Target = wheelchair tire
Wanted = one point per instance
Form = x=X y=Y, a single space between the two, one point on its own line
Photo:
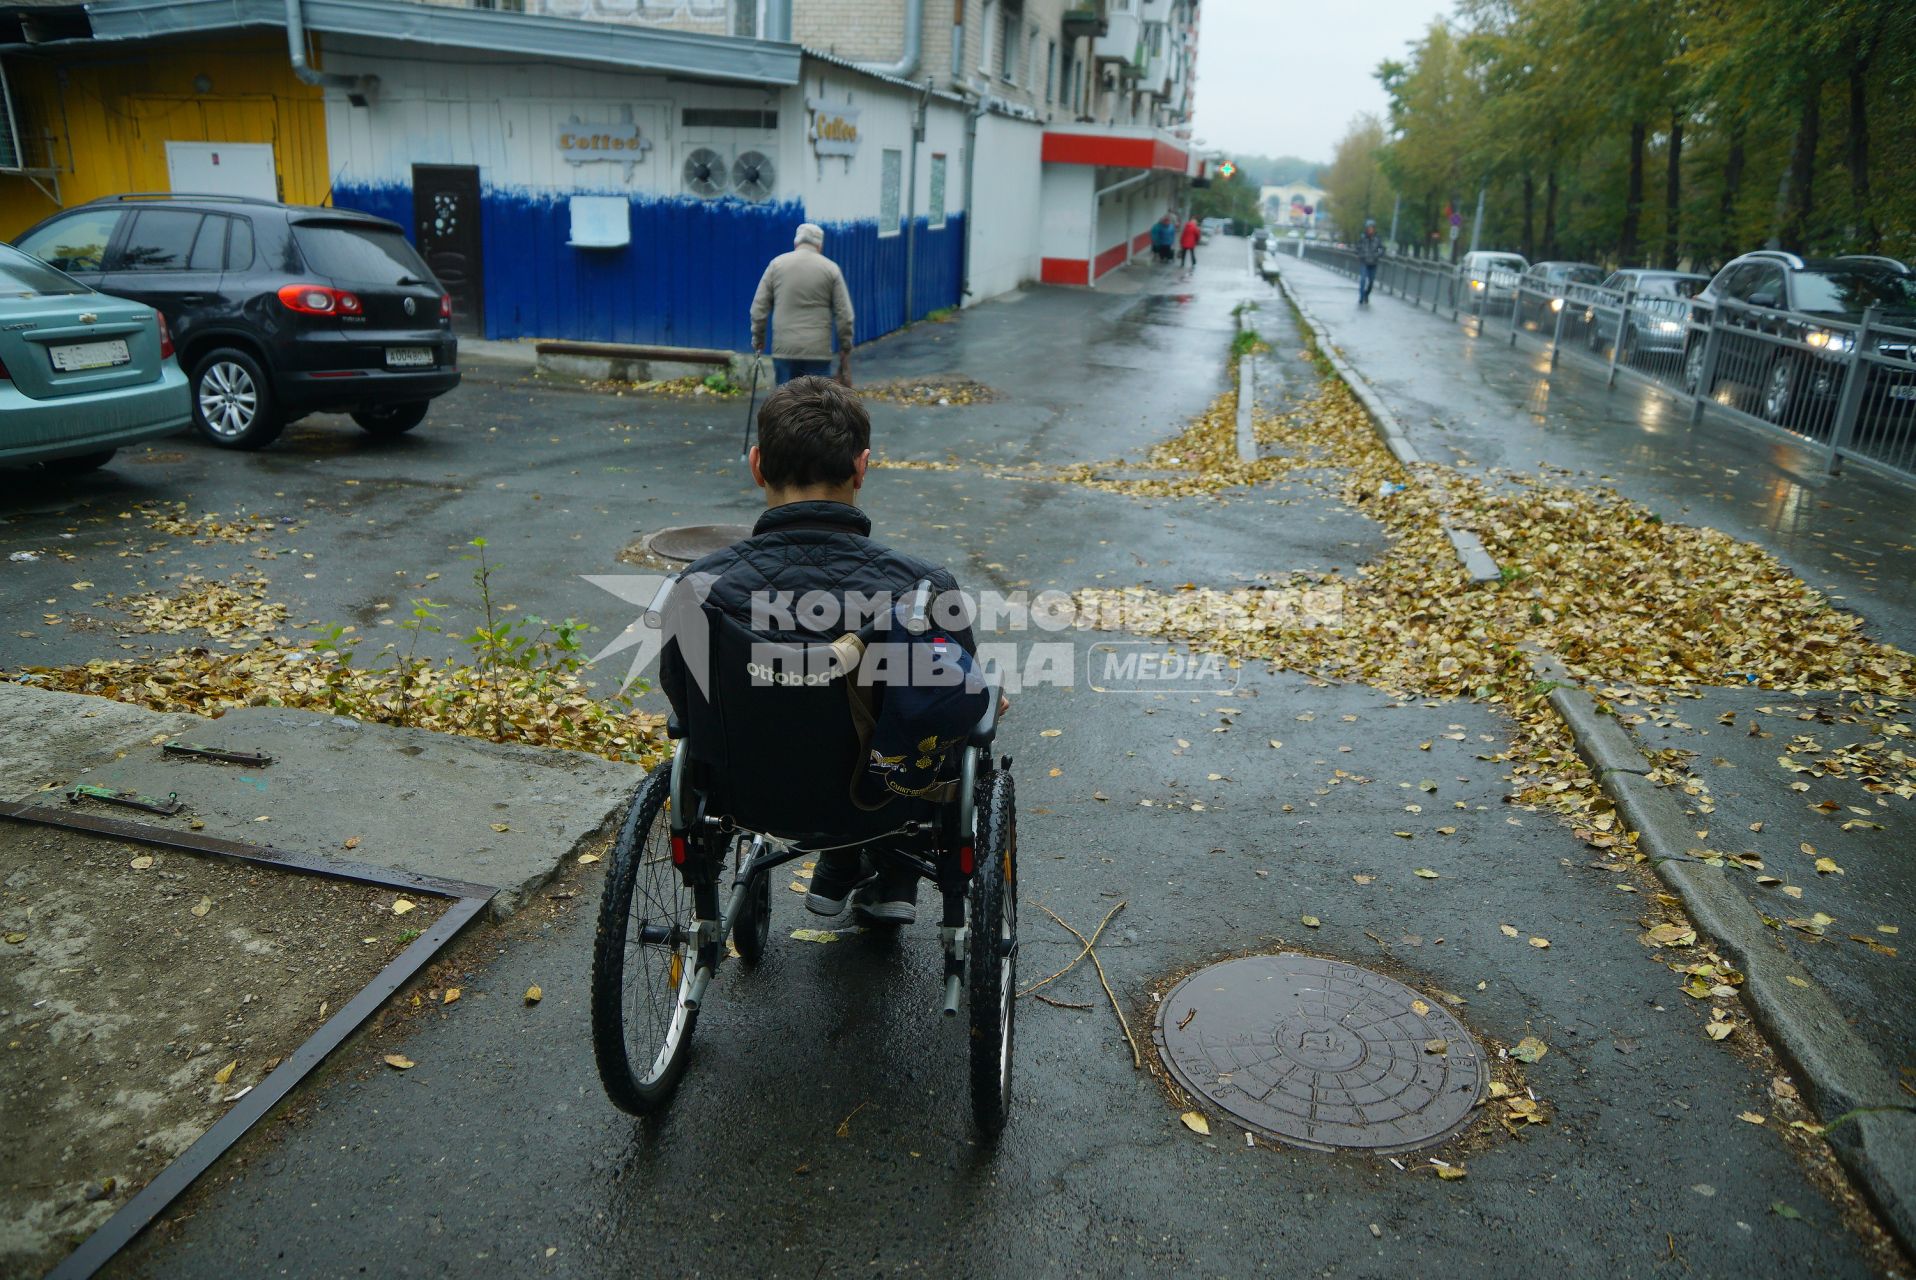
x=754 y=923
x=643 y=960
x=992 y=965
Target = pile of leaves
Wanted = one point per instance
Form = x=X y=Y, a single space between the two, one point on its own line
x=1617 y=595
x=546 y=708
x=235 y=612
x=939 y=390
x=1202 y=459
x=685 y=388
x=209 y=526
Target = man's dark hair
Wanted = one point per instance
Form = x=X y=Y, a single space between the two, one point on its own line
x=809 y=432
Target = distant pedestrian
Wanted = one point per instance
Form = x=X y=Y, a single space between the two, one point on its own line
x=1370 y=252
x=1164 y=234
x=1188 y=242
x=803 y=293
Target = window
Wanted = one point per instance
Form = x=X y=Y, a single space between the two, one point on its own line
x=728 y=118
x=209 y=251
x=936 y=209
x=1067 y=78
x=239 y=246
x=1051 y=71
x=358 y=254
x=986 y=31
x=24 y=277
x=78 y=243
x=891 y=174
x=161 y=240
x=1010 y=28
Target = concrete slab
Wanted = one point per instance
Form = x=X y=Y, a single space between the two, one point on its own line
x=420 y=801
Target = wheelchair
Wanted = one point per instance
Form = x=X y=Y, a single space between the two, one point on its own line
x=691 y=868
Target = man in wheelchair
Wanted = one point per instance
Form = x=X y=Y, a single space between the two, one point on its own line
x=826 y=705
x=811 y=603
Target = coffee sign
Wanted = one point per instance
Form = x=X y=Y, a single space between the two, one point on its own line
x=580 y=143
x=834 y=128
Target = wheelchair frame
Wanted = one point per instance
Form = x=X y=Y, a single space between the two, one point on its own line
x=967 y=847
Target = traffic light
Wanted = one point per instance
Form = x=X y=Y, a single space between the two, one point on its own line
x=1226 y=169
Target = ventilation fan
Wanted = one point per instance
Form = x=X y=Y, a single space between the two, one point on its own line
x=753 y=176
x=705 y=173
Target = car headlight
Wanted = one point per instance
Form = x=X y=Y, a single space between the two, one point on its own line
x=1824 y=340
x=1556 y=304
x=1668 y=326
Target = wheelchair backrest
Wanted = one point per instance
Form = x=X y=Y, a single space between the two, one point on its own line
x=772 y=738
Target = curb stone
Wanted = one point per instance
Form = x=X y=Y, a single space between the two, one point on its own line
x=1476 y=561
x=1876 y=1140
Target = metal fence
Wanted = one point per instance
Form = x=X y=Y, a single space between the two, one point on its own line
x=1846 y=390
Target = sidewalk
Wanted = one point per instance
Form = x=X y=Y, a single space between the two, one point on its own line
x=1481 y=404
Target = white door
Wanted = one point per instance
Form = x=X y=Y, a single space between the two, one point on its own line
x=222 y=169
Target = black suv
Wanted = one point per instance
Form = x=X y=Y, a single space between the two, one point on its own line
x=277 y=310
x=1813 y=304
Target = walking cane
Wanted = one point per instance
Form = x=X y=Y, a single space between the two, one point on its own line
x=751 y=410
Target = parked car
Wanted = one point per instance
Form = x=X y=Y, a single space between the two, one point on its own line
x=81 y=374
x=1492 y=277
x=1547 y=282
x=1809 y=303
x=1659 y=305
x=278 y=310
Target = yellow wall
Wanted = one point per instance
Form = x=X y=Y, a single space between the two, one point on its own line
x=122 y=103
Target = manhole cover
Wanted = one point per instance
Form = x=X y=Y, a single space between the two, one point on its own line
x=691 y=541
x=1321 y=1054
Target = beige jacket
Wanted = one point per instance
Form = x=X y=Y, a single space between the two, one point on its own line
x=804 y=294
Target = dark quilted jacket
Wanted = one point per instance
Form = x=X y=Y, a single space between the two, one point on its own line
x=796 y=548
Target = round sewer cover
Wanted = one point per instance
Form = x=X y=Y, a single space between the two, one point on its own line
x=1321 y=1054
x=691 y=541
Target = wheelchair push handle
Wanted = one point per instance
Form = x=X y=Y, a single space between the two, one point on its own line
x=654 y=613
x=920 y=602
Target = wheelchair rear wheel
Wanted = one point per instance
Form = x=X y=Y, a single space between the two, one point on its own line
x=643 y=960
x=992 y=966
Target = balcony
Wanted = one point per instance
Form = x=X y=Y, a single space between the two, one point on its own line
x=1086 y=20
x=1122 y=42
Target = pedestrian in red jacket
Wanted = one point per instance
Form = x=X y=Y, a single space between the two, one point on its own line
x=1188 y=242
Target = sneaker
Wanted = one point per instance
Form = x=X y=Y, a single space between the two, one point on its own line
x=887 y=899
x=832 y=884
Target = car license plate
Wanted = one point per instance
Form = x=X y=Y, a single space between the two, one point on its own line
x=89 y=355
x=409 y=357
x=1907 y=392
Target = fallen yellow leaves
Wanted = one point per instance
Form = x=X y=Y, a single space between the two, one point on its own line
x=399 y=1062
x=1529 y=1049
x=1196 y=1123
x=225 y=1073
x=534 y=995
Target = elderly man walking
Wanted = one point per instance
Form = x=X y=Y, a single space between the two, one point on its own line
x=803 y=293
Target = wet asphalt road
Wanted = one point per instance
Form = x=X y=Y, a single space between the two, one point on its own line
x=497 y=1153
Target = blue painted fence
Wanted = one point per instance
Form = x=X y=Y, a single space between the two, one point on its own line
x=688 y=276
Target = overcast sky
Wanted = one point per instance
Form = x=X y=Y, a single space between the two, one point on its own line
x=1284 y=77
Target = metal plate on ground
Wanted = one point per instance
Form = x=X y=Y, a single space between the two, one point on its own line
x=691 y=541
x=1321 y=1054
